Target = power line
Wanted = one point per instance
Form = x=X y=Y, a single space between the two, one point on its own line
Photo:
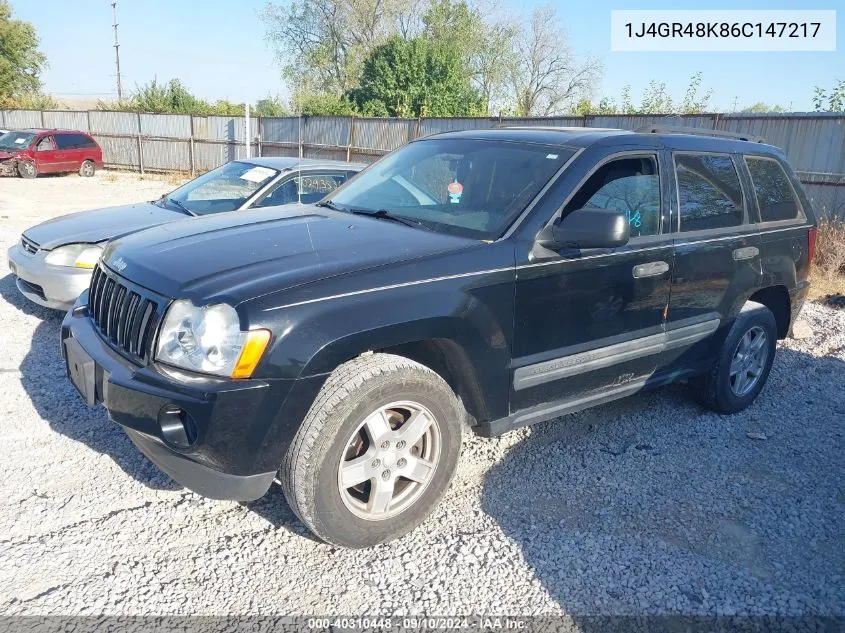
x=116 y=51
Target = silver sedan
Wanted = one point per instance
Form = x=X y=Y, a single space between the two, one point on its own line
x=53 y=261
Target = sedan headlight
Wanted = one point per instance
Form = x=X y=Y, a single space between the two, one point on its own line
x=76 y=255
x=208 y=339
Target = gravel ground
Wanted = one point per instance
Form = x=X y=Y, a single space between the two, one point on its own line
x=648 y=505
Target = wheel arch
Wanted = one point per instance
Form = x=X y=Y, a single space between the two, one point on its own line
x=776 y=299
x=460 y=355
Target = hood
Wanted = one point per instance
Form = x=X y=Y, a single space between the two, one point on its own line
x=5 y=154
x=99 y=224
x=234 y=257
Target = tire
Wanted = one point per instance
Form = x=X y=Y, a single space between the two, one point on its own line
x=87 y=169
x=722 y=389
x=334 y=432
x=27 y=169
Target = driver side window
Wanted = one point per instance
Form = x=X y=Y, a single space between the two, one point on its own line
x=629 y=185
x=46 y=144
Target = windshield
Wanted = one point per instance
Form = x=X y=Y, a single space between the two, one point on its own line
x=469 y=187
x=223 y=189
x=16 y=140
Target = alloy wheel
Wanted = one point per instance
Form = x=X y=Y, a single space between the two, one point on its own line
x=389 y=460
x=749 y=361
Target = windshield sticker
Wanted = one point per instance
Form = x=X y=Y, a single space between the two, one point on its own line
x=257 y=174
x=455 y=190
x=551 y=156
x=20 y=140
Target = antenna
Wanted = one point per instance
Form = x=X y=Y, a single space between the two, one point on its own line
x=117 y=51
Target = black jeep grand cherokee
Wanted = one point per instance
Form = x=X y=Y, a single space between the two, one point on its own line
x=489 y=279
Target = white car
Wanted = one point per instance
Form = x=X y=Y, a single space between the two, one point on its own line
x=53 y=261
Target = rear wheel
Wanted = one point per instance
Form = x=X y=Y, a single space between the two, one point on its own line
x=87 y=169
x=376 y=452
x=27 y=169
x=744 y=362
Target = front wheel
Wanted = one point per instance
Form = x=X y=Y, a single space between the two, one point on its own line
x=27 y=169
x=87 y=169
x=376 y=452
x=744 y=363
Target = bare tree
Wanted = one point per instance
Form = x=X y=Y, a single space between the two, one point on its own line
x=548 y=78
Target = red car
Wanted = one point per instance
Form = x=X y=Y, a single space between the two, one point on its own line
x=33 y=152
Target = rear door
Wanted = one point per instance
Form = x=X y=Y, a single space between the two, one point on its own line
x=590 y=322
x=717 y=254
x=65 y=153
x=47 y=155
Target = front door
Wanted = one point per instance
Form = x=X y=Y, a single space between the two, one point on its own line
x=46 y=155
x=593 y=319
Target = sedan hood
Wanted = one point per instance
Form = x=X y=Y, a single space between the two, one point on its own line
x=99 y=224
x=234 y=257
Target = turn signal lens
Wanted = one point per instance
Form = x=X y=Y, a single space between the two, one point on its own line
x=251 y=353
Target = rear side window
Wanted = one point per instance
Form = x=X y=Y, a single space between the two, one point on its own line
x=73 y=141
x=307 y=189
x=709 y=192
x=66 y=141
x=629 y=185
x=775 y=196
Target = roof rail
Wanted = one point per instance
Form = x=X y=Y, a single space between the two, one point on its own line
x=698 y=131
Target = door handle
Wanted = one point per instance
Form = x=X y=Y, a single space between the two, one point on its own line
x=651 y=269
x=746 y=252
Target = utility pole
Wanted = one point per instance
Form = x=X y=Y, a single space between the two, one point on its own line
x=735 y=100
x=117 y=52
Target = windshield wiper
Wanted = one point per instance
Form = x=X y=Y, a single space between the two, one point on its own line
x=179 y=205
x=384 y=214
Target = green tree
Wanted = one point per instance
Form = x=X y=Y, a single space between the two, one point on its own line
x=485 y=46
x=412 y=78
x=271 y=106
x=835 y=102
x=763 y=107
x=21 y=62
x=695 y=102
x=626 y=106
x=309 y=103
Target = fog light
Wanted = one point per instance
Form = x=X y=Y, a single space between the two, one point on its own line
x=177 y=426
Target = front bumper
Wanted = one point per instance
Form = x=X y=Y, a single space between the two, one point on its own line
x=239 y=429
x=55 y=287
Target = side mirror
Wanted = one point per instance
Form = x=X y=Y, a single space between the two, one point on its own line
x=587 y=228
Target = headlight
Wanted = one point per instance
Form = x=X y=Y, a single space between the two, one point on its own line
x=76 y=255
x=208 y=339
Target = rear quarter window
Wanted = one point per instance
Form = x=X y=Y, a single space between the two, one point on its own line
x=775 y=196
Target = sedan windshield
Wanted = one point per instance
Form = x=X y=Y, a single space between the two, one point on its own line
x=469 y=187
x=223 y=189
x=16 y=140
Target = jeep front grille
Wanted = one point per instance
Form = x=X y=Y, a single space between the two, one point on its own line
x=126 y=317
x=28 y=245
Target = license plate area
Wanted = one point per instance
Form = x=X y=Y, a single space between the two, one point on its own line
x=82 y=370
